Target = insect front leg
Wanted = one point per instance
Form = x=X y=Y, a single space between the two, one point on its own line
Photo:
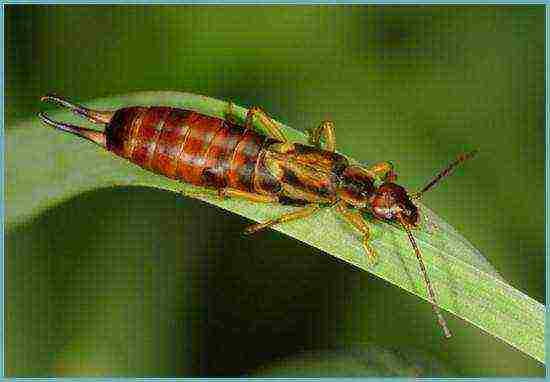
x=325 y=129
x=272 y=129
x=430 y=226
x=355 y=218
x=294 y=215
x=383 y=171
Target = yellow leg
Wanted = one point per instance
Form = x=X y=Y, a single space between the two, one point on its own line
x=273 y=130
x=200 y=192
x=295 y=215
x=258 y=198
x=383 y=171
x=232 y=193
x=229 y=114
x=325 y=129
x=354 y=218
x=430 y=226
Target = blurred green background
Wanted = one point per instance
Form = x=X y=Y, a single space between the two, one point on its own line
x=140 y=282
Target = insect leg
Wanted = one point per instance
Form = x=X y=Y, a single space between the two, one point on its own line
x=325 y=129
x=383 y=171
x=295 y=215
x=427 y=223
x=206 y=192
x=229 y=114
x=272 y=129
x=231 y=193
x=258 y=198
x=354 y=218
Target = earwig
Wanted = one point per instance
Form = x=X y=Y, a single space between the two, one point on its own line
x=238 y=161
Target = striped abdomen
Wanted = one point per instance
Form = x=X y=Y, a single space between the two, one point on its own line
x=188 y=146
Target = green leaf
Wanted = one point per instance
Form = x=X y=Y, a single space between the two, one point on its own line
x=45 y=167
x=367 y=360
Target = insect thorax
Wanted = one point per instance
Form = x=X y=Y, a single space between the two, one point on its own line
x=305 y=174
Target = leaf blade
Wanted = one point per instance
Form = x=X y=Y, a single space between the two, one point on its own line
x=465 y=283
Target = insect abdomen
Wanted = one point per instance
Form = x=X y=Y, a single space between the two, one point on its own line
x=186 y=145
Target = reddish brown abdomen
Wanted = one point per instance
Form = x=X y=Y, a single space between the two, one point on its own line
x=186 y=145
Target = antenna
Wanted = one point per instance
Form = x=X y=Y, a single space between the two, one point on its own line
x=446 y=172
x=431 y=293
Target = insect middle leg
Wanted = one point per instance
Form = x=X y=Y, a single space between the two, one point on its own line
x=272 y=129
x=325 y=129
x=354 y=218
x=294 y=215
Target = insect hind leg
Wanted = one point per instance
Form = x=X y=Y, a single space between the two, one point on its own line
x=301 y=213
x=267 y=123
x=326 y=130
x=229 y=113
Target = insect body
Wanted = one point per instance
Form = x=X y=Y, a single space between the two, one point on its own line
x=238 y=161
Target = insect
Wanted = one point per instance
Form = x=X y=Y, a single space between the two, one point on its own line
x=237 y=161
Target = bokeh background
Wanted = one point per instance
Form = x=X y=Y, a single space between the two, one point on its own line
x=141 y=282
